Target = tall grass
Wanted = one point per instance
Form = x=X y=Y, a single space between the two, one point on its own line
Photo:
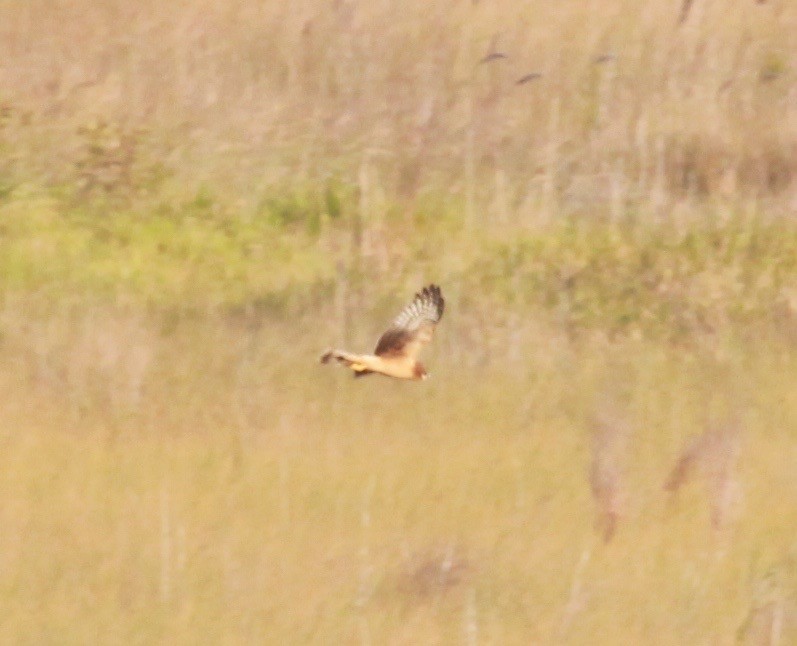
x=228 y=488
x=631 y=105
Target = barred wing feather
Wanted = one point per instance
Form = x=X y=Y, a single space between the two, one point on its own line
x=414 y=326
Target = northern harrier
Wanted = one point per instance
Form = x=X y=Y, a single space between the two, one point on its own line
x=397 y=350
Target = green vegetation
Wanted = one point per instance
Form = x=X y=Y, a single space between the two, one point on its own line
x=202 y=196
x=727 y=272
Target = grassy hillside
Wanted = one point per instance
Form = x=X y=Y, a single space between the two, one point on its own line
x=201 y=197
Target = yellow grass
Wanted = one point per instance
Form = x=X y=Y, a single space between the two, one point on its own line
x=237 y=492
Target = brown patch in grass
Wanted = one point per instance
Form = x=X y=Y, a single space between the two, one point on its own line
x=703 y=165
x=433 y=573
x=713 y=455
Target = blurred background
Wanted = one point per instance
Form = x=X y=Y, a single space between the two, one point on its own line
x=197 y=198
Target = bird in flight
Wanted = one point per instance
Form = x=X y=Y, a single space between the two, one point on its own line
x=397 y=350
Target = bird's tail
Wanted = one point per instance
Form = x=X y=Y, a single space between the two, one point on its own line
x=349 y=360
x=327 y=356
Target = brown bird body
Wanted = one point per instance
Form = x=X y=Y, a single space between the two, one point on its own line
x=396 y=353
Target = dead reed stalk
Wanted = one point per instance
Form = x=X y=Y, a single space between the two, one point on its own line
x=608 y=444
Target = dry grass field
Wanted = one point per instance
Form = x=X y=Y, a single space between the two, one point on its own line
x=213 y=485
x=197 y=198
